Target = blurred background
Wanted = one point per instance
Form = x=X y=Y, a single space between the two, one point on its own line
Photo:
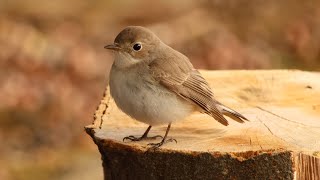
x=53 y=68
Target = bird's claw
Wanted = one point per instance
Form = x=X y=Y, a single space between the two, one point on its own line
x=155 y=146
x=133 y=138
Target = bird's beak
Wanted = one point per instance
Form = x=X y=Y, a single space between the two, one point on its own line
x=114 y=47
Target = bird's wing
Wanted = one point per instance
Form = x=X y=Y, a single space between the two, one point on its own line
x=180 y=77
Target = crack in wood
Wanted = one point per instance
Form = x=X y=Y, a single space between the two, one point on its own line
x=101 y=110
x=106 y=96
x=275 y=134
x=258 y=142
x=268 y=128
x=281 y=117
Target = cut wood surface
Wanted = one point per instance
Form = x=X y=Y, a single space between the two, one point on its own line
x=283 y=107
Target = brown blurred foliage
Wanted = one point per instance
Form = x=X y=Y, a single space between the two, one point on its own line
x=53 y=68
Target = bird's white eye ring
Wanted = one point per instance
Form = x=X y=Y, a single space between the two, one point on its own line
x=137 y=46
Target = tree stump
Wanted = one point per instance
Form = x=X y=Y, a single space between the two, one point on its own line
x=281 y=141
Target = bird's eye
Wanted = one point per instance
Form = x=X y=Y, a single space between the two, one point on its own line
x=137 y=47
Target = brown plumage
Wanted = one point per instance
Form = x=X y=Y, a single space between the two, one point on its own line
x=189 y=84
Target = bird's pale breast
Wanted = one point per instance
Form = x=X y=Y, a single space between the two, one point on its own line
x=145 y=100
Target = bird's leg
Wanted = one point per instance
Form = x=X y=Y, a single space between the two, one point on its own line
x=144 y=136
x=155 y=146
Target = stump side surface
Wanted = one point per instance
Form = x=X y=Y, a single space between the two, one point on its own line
x=125 y=162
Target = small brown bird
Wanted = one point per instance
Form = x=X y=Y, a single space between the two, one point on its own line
x=155 y=84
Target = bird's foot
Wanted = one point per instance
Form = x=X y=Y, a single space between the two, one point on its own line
x=133 y=138
x=155 y=146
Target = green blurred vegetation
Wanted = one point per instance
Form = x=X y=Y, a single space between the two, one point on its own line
x=53 y=68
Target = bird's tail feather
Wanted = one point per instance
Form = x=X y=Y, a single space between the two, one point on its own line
x=231 y=113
